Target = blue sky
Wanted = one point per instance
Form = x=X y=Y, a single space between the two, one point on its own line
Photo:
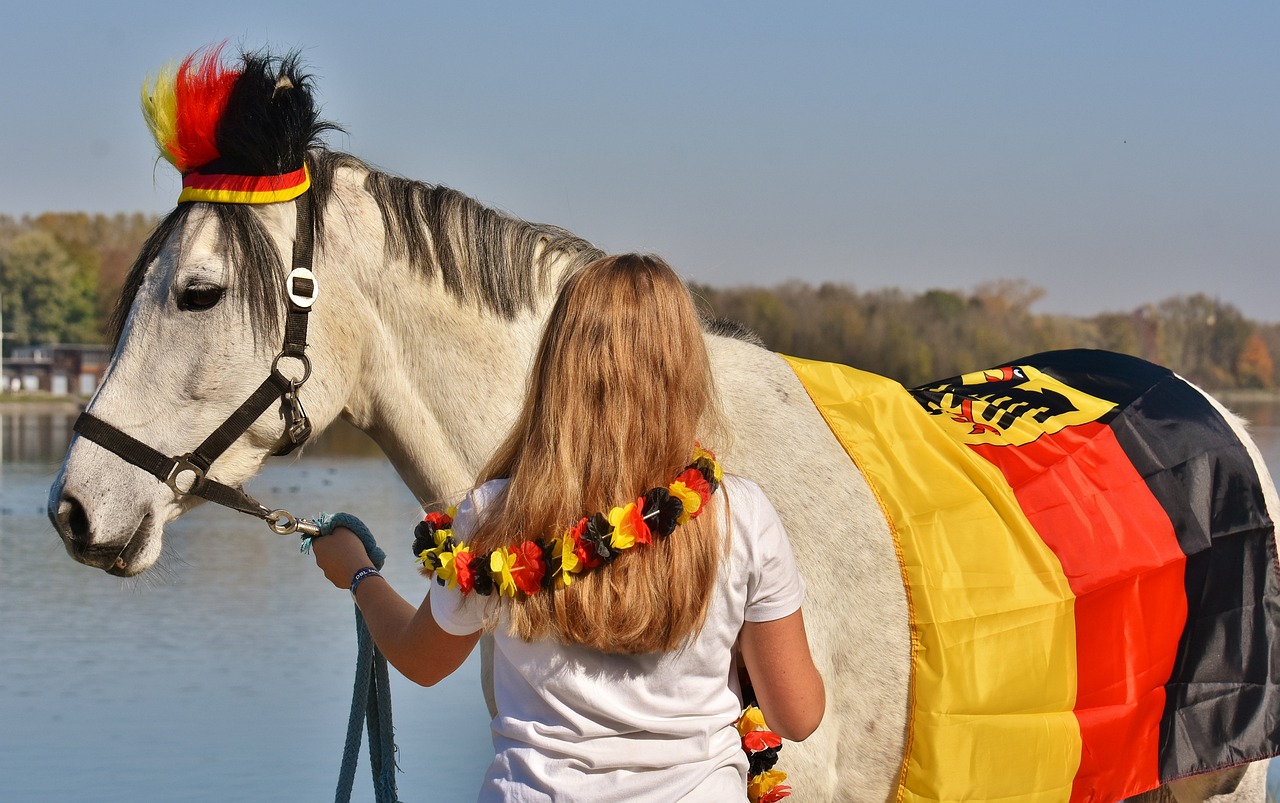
x=1111 y=153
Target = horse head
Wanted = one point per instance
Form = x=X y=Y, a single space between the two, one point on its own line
x=198 y=325
x=199 y=332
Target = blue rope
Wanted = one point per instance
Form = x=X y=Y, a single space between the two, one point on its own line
x=371 y=696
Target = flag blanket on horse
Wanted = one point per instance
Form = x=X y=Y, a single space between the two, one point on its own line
x=1090 y=569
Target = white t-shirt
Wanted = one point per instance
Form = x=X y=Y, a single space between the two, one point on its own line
x=576 y=724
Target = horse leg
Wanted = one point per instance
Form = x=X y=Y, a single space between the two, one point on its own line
x=1244 y=784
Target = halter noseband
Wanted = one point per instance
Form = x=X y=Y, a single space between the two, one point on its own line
x=188 y=474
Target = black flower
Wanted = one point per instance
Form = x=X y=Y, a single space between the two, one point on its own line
x=662 y=511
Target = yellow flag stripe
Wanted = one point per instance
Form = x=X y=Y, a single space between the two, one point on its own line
x=992 y=615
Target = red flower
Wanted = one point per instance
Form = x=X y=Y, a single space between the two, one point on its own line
x=438 y=520
x=694 y=481
x=464 y=571
x=588 y=557
x=529 y=568
x=777 y=793
x=641 y=530
x=755 y=741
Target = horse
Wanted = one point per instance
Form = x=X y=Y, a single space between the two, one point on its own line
x=432 y=306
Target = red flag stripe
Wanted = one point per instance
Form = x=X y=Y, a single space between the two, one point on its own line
x=1121 y=558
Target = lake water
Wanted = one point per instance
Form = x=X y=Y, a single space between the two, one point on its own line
x=225 y=673
x=224 y=676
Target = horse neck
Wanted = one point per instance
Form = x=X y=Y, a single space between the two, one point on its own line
x=438 y=381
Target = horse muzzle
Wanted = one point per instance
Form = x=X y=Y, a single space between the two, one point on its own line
x=125 y=555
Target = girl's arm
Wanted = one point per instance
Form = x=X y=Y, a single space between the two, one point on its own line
x=409 y=637
x=786 y=681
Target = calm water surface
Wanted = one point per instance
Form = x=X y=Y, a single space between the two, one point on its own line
x=225 y=674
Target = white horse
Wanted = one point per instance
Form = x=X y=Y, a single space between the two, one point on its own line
x=428 y=313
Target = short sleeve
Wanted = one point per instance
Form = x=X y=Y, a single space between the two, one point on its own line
x=454 y=613
x=774 y=586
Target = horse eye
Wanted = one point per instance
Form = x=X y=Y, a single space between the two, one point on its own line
x=199 y=297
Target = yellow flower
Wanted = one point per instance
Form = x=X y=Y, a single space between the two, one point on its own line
x=752 y=719
x=447 y=571
x=688 y=497
x=566 y=551
x=623 y=520
x=699 y=453
x=424 y=557
x=763 y=784
x=501 y=564
x=451 y=511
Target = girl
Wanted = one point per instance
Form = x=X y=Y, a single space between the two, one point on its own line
x=623 y=576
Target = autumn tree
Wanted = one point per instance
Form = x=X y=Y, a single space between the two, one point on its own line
x=1254 y=367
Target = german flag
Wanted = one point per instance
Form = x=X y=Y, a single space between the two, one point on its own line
x=1091 y=573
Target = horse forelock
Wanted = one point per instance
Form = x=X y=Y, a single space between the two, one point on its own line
x=480 y=255
x=250 y=253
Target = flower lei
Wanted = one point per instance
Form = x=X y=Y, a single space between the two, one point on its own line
x=764 y=783
x=536 y=565
x=597 y=540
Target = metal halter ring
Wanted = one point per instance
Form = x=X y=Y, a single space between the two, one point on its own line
x=181 y=466
x=306 y=367
x=282 y=522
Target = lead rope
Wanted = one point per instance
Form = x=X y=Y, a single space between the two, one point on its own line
x=371 y=693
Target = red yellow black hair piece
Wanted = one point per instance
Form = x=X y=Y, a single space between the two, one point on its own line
x=238 y=133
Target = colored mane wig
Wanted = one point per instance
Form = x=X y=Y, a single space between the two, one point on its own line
x=238 y=134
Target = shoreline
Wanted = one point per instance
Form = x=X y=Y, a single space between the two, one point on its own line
x=22 y=403
x=1234 y=395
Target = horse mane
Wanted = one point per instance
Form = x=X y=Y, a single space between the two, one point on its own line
x=481 y=255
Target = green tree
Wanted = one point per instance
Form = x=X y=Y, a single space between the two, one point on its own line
x=49 y=296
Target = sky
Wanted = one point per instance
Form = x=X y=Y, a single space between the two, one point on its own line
x=1113 y=154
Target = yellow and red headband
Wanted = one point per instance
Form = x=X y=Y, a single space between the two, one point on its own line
x=227 y=188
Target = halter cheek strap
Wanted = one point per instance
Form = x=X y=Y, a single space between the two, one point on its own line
x=188 y=473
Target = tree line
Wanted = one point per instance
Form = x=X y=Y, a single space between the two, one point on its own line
x=918 y=337
x=60 y=275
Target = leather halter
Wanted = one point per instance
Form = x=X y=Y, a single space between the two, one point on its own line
x=188 y=473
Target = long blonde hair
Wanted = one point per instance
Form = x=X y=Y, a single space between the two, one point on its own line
x=619 y=392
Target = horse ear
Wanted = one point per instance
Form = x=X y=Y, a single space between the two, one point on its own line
x=283 y=84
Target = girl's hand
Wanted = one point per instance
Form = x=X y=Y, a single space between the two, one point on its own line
x=340 y=555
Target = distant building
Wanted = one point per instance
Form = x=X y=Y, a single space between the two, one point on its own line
x=60 y=369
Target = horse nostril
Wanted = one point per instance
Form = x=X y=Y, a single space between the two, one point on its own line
x=76 y=521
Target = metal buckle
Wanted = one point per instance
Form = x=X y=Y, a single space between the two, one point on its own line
x=291 y=287
x=182 y=465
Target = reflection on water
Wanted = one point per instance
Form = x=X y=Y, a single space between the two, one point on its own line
x=224 y=674
x=35 y=437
